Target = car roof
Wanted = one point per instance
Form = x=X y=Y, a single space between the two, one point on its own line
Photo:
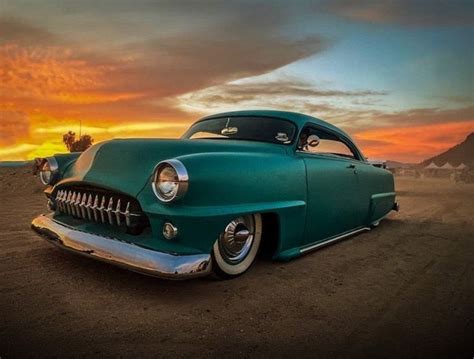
x=297 y=118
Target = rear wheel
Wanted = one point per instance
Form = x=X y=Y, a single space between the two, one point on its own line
x=236 y=248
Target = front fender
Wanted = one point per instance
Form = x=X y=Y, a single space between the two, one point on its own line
x=65 y=160
x=223 y=186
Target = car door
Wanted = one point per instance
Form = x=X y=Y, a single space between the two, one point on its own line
x=333 y=187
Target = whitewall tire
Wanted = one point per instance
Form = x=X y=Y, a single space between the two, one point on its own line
x=236 y=248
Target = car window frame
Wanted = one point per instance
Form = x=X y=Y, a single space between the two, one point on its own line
x=359 y=157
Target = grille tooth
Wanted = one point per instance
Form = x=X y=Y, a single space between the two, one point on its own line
x=83 y=205
x=89 y=207
x=102 y=209
x=77 y=205
x=73 y=203
x=66 y=202
x=95 y=207
x=62 y=203
x=127 y=214
x=61 y=200
x=71 y=212
x=117 y=212
x=110 y=209
x=58 y=200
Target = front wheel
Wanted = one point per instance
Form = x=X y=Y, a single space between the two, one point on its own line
x=236 y=248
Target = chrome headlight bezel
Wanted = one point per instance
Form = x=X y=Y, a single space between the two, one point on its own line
x=182 y=180
x=48 y=165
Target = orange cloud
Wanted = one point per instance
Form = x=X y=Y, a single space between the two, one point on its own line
x=48 y=84
x=43 y=71
x=139 y=88
x=54 y=73
x=414 y=143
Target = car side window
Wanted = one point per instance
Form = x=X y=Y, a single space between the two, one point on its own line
x=316 y=141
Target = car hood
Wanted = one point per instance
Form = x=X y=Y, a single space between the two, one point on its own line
x=126 y=165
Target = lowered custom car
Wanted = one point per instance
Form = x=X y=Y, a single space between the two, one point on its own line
x=236 y=184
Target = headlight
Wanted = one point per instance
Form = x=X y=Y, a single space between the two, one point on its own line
x=170 y=180
x=48 y=170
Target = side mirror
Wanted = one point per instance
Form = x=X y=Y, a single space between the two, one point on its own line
x=229 y=131
x=282 y=137
x=313 y=141
x=378 y=163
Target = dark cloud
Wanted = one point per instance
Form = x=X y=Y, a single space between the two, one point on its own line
x=406 y=12
x=357 y=120
x=149 y=73
x=230 y=94
x=169 y=7
x=15 y=30
x=465 y=100
x=358 y=112
x=425 y=116
x=242 y=43
x=292 y=95
x=187 y=62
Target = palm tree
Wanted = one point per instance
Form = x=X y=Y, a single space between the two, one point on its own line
x=80 y=145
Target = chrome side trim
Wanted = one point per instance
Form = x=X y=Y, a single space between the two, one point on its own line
x=130 y=256
x=329 y=241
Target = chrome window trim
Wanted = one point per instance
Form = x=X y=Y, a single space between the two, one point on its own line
x=343 y=138
x=183 y=179
x=218 y=116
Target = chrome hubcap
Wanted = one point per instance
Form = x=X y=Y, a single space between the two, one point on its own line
x=236 y=241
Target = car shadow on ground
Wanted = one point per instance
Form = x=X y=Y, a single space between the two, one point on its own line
x=82 y=271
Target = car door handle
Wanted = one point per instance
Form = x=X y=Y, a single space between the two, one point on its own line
x=351 y=166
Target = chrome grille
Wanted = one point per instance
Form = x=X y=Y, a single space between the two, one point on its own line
x=99 y=206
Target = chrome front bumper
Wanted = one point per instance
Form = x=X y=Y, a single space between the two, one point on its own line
x=130 y=256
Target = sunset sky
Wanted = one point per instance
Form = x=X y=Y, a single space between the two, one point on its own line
x=397 y=75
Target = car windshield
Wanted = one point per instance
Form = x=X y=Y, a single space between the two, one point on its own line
x=250 y=128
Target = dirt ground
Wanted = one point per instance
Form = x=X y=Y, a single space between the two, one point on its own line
x=403 y=289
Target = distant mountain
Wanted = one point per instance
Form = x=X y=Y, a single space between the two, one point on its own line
x=461 y=153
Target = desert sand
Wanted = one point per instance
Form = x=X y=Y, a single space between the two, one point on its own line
x=405 y=288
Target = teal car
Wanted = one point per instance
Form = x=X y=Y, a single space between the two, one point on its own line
x=236 y=184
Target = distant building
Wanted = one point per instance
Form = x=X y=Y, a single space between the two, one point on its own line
x=431 y=166
x=445 y=171
x=447 y=166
